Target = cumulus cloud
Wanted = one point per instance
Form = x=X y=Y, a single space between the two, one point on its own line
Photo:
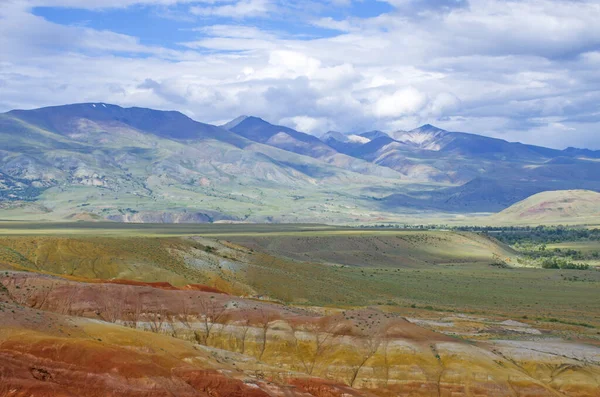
x=309 y=124
x=103 y=4
x=235 y=9
x=525 y=70
x=428 y=5
x=404 y=102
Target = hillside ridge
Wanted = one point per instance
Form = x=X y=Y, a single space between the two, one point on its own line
x=553 y=206
x=163 y=166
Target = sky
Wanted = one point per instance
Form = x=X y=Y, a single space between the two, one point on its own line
x=521 y=70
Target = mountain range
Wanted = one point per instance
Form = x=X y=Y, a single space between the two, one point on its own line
x=134 y=164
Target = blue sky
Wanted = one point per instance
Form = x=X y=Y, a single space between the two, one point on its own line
x=526 y=70
x=170 y=26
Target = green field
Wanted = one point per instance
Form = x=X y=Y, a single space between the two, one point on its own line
x=379 y=248
x=315 y=265
x=461 y=288
x=20 y=228
x=583 y=246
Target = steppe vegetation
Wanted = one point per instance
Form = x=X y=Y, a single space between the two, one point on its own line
x=372 y=311
x=295 y=264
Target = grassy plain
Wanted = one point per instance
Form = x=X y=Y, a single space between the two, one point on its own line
x=569 y=295
x=19 y=228
x=314 y=265
x=583 y=246
x=379 y=248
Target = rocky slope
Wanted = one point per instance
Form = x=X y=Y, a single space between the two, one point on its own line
x=102 y=161
x=63 y=336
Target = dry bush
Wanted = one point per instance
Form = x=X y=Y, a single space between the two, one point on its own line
x=212 y=313
x=309 y=353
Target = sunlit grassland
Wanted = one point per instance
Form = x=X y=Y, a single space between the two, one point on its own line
x=154 y=230
x=380 y=248
x=583 y=246
x=465 y=287
x=100 y=257
x=316 y=265
x=242 y=200
x=586 y=247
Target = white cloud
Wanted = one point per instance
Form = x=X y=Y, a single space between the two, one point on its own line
x=292 y=64
x=330 y=23
x=442 y=104
x=513 y=69
x=238 y=9
x=404 y=102
x=23 y=34
x=103 y=4
x=308 y=124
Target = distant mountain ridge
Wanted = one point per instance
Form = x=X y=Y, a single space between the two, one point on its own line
x=166 y=124
x=373 y=134
x=157 y=164
x=258 y=130
x=344 y=143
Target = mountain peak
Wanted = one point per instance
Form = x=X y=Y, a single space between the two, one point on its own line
x=246 y=121
x=251 y=120
x=373 y=134
x=338 y=136
x=166 y=124
x=426 y=137
x=428 y=128
x=229 y=125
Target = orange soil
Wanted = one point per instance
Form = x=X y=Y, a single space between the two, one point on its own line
x=45 y=353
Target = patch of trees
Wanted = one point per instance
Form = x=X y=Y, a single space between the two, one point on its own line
x=561 y=263
x=540 y=252
x=535 y=235
x=401 y=226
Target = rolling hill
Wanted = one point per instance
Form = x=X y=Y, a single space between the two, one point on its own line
x=553 y=207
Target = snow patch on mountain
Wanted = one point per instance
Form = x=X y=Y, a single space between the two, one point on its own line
x=426 y=137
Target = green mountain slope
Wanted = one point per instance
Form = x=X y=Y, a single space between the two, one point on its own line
x=101 y=161
x=110 y=162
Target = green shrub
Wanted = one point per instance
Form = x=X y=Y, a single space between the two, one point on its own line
x=561 y=263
